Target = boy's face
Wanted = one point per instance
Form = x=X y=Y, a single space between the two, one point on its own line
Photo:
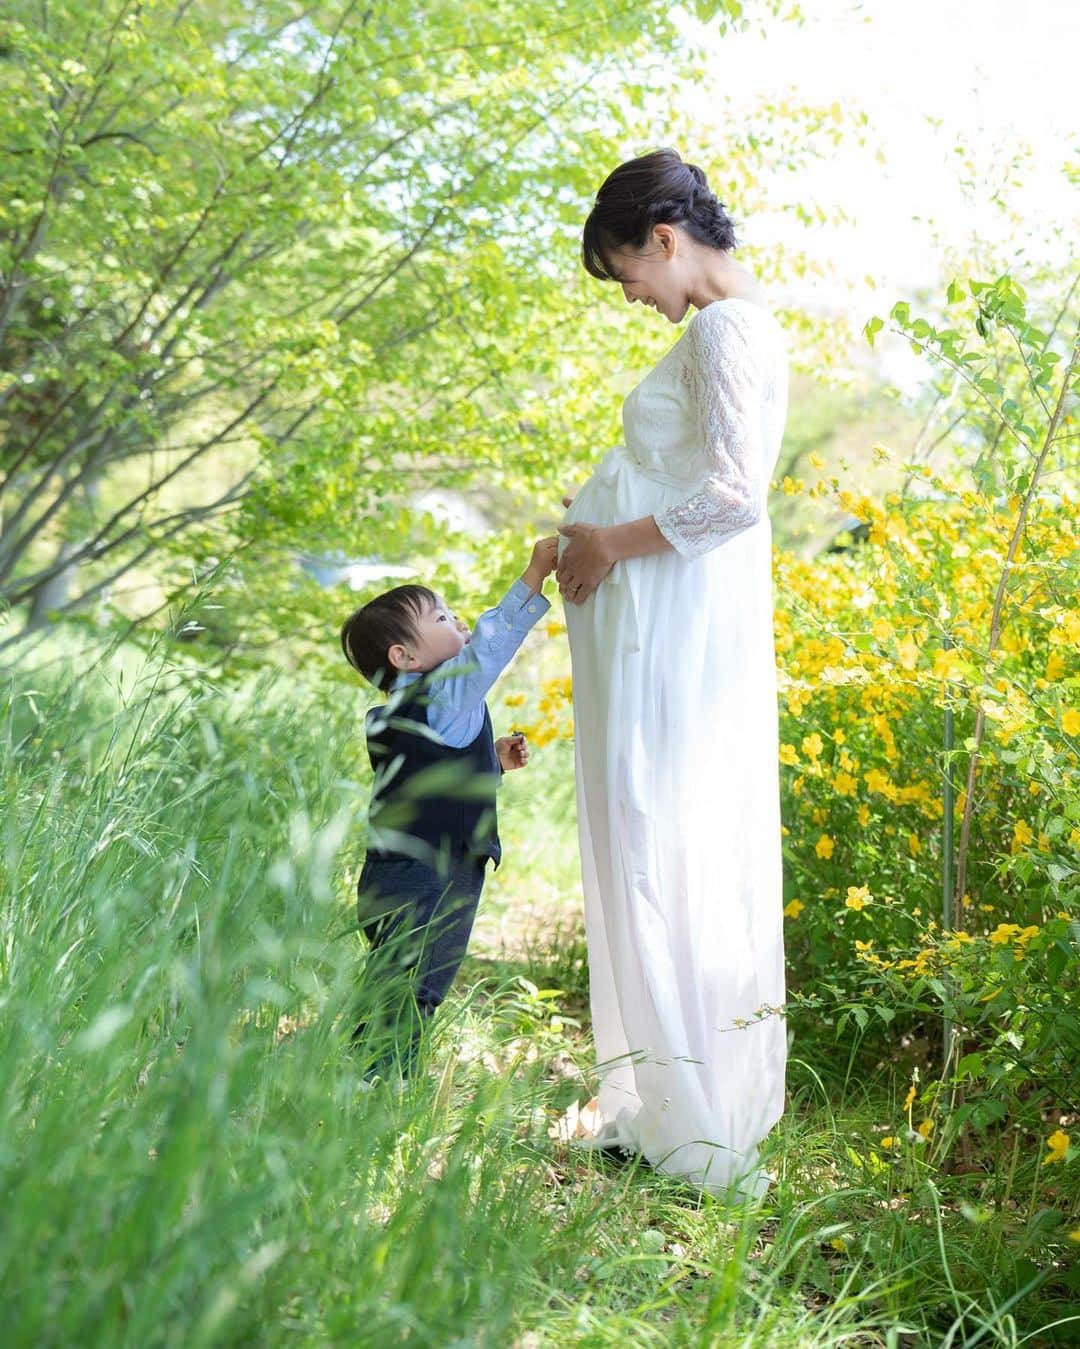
x=439 y=635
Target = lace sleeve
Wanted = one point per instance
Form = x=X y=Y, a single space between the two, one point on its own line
x=728 y=389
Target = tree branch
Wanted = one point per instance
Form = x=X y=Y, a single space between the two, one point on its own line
x=995 y=623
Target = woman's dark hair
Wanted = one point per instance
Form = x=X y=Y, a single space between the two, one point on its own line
x=655 y=189
x=390 y=618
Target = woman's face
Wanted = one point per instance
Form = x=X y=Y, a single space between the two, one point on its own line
x=652 y=275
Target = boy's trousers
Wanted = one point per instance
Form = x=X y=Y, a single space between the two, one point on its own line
x=418 y=922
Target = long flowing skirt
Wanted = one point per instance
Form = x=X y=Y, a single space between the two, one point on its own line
x=679 y=827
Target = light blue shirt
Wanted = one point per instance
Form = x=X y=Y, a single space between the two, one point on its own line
x=456 y=708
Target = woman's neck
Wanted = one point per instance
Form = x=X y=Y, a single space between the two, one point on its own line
x=723 y=279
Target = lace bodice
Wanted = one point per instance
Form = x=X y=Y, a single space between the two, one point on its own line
x=711 y=414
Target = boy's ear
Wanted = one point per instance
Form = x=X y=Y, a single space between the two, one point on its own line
x=398 y=657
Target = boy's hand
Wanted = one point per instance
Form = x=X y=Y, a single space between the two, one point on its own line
x=513 y=751
x=545 y=557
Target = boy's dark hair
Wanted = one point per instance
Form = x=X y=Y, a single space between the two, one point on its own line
x=390 y=618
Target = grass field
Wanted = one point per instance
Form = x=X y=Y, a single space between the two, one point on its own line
x=187 y=1159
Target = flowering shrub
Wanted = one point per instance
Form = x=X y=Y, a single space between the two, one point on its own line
x=875 y=646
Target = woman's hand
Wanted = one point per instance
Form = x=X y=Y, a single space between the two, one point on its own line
x=585 y=562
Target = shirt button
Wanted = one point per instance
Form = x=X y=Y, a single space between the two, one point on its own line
x=532 y=608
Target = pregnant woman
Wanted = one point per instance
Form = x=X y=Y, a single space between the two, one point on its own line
x=666 y=569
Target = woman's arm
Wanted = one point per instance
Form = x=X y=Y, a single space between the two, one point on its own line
x=725 y=378
x=727 y=388
x=594 y=549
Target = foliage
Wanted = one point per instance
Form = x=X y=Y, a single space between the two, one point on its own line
x=188 y=1158
x=295 y=266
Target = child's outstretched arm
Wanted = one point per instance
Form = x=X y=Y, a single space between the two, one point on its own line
x=544 y=560
x=464 y=681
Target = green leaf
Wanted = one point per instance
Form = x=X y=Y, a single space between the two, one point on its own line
x=971 y=1065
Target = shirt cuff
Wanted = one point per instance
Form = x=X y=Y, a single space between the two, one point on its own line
x=521 y=608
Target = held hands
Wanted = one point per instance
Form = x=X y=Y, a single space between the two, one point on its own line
x=542 y=563
x=513 y=751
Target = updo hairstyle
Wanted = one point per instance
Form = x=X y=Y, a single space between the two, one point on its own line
x=659 y=188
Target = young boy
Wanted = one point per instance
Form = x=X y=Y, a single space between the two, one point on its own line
x=432 y=823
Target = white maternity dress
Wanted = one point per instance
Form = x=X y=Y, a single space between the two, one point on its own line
x=675 y=719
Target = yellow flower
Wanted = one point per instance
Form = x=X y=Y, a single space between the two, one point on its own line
x=1070 y=722
x=1055 y=665
x=1058 y=1143
x=845 y=784
x=909 y=653
x=789 y=755
x=1004 y=933
x=945 y=663
x=1074 y=1235
x=838 y=1244
x=882 y=629
x=858 y=897
x=816 y=460
x=890 y=1142
x=910 y=1097
x=876 y=780
x=824 y=847
x=812 y=745
x=793 y=909
x=514 y=699
x=926 y=1128
x=864 y=815
x=1023 y=834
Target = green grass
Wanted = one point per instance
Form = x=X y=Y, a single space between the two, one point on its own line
x=187 y=1159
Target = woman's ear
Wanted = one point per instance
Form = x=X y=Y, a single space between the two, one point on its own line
x=666 y=238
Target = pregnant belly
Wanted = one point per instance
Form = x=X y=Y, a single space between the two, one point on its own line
x=620 y=489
